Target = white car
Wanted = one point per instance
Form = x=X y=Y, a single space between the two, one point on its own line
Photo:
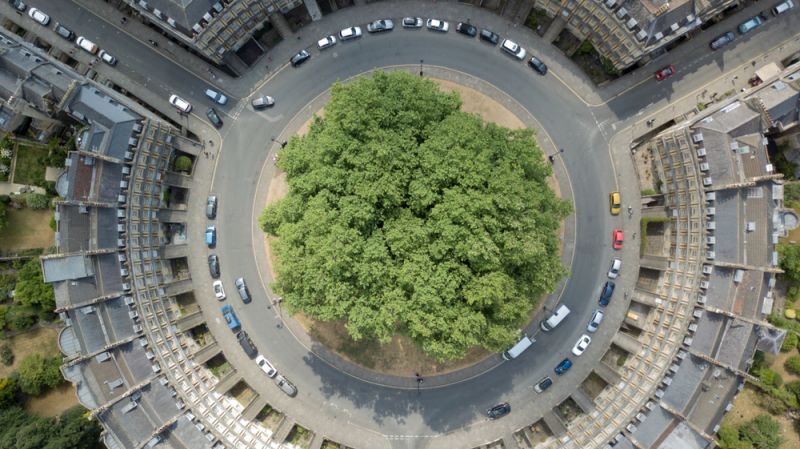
x=613 y=271
x=39 y=16
x=350 y=33
x=513 y=48
x=412 y=22
x=108 y=58
x=180 y=104
x=219 y=291
x=326 y=42
x=265 y=366
x=581 y=345
x=438 y=25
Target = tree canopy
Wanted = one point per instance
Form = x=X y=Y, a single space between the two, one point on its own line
x=31 y=290
x=407 y=215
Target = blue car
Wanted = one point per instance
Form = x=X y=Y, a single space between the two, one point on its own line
x=563 y=367
x=211 y=236
x=230 y=317
x=605 y=294
x=750 y=24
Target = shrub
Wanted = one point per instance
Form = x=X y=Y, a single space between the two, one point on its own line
x=37 y=200
x=31 y=289
x=772 y=404
x=792 y=364
x=21 y=319
x=6 y=355
x=790 y=342
x=183 y=163
x=37 y=374
x=770 y=378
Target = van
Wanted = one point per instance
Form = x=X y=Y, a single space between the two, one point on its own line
x=87 y=45
x=782 y=7
x=556 y=318
x=518 y=348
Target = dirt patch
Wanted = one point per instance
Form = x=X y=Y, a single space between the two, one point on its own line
x=53 y=402
x=41 y=340
x=401 y=356
x=745 y=408
x=776 y=361
x=643 y=161
x=27 y=228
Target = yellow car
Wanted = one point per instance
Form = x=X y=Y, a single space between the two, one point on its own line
x=616 y=202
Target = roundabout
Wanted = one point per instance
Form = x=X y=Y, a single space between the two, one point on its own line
x=453 y=404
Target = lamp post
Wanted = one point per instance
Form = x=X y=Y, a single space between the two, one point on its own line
x=552 y=157
x=420 y=67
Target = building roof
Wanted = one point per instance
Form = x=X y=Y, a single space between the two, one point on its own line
x=111 y=124
x=62 y=268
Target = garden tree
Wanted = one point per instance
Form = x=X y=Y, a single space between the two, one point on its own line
x=72 y=430
x=762 y=432
x=790 y=261
x=789 y=342
x=37 y=200
x=8 y=392
x=792 y=364
x=37 y=374
x=35 y=433
x=75 y=431
x=183 y=163
x=12 y=418
x=31 y=289
x=3 y=216
x=406 y=215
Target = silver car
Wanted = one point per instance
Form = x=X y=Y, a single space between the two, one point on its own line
x=594 y=323
x=218 y=97
x=262 y=102
x=284 y=384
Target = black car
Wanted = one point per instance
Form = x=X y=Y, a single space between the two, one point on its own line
x=213 y=117
x=466 y=29
x=64 y=32
x=538 y=65
x=490 y=37
x=213 y=265
x=499 y=410
x=211 y=207
x=247 y=344
x=299 y=58
x=722 y=40
x=543 y=384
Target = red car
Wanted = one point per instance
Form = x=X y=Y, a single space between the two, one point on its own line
x=665 y=73
x=617 y=238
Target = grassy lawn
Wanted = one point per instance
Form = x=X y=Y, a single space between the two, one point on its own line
x=28 y=169
x=39 y=340
x=27 y=228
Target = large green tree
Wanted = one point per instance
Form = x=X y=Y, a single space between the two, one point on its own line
x=37 y=374
x=407 y=215
x=31 y=290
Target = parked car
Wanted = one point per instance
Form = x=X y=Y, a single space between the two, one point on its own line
x=412 y=22
x=617 y=238
x=513 y=48
x=326 y=42
x=665 y=72
x=64 y=32
x=90 y=47
x=179 y=103
x=437 y=25
x=615 y=202
x=211 y=207
x=213 y=265
x=262 y=102
x=19 y=5
x=499 y=410
x=751 y=24
x=782 y=7
x=108 y=58
x=211 y=236
x=722 y=40
x=265 y=366
x=490 y=36
x=581 y=345
x=613 y=270
x=241 y=287
x=285 y=386
x=216 y=97
x=219 y=291
x=606 y=292
x=247 y=344
x=350 y=33
x=563 y=367
x=214 y=118
x=467 y=29
x=230 y=317
x=39 y=16
x=380 y=25
x=543 y=384
x=594 y=322
x=537 y=65
x=299 y=58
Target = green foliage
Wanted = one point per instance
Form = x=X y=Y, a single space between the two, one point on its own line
x=37 y=200
x=783 y=165
x=790 y=342
x=6 y=354
x=771 y=403
x=792 y=364
x=791 y=193
x=762 y=432
x=72 y=430
x=3 y=317
x=37 y=374
x=31 y=289
x=8 y=392
x=53 y=224
x=585 y=48
x=770 y=377
x=784 y=323
x=790 y=261
x=3 y=216
x=20 y=318
x=407 y=215
x=648 y=192
x=183 y=163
